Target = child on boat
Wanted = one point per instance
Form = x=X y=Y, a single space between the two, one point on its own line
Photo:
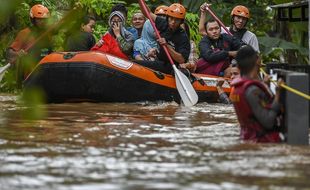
x=83 y=39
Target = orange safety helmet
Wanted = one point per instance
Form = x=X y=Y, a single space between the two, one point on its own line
x=161 y=10
x=240 y=11
x=176 y=10
x=39 y=11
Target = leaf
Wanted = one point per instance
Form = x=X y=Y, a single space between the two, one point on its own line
x=270 y=43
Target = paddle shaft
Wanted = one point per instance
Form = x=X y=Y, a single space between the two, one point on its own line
x=148 y=15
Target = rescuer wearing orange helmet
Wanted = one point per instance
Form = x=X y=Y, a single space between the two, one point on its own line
x=239 y=18
x=173 y=36
x=24 y=41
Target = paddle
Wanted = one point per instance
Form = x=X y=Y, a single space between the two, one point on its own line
x=44 y=34
x=184 y=87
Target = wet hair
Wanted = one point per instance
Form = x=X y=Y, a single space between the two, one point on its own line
x=121 y=8
x=210 y=21
x=246 y=59
x=87 y=19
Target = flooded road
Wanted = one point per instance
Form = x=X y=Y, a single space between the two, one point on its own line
x=138 y=146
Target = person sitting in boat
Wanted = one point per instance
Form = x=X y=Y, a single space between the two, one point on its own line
x=83 y=39
x=146 y=47
x=161 y=11
x=232 y=72
x=193 y=56
x=122 y=8
x=258 y=111
x=239 y=19
x=117 y=41
x=26 y=44
x=173 y=36
x=137 y=21
x=216 y=50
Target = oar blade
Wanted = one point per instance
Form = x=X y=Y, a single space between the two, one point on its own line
x=3 y=69
x=186 y=90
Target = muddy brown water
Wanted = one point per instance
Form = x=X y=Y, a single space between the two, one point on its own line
x=135 y=146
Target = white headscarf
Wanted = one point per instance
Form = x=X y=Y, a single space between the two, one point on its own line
x=126 y=34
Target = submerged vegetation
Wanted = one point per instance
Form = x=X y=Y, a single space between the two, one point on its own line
x=14 y=16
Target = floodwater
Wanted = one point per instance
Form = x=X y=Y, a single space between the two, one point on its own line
x=88 y=146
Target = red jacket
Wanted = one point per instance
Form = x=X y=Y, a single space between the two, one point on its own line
x=251 y=129
x=110 y=46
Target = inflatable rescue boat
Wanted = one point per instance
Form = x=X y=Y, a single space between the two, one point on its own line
x=99 y=77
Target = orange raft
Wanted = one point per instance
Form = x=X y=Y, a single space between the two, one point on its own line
x=98 y=77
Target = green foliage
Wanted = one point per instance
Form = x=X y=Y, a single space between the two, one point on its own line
x=133 y=8
x=100 y=29
x=100 y=7
x=274 y=48
x=193 y=21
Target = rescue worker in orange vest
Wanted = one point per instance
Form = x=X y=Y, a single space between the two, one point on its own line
x=258 y=111
x=25 y=42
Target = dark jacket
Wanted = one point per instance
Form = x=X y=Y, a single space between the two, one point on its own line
x=215 y=51
x=177 y=39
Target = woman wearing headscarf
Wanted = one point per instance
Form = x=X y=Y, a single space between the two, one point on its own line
x=117 y=41
x=146 y=47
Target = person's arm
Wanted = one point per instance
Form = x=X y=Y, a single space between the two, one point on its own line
x=125 y=45
x=178 y=57
x=265 y=116
x=202 y=20
x=16 y=48
x=138 y=57
x=223 y=98
x=13 y=55
x=174 y=54
x=232 y=54
x=254 y=43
